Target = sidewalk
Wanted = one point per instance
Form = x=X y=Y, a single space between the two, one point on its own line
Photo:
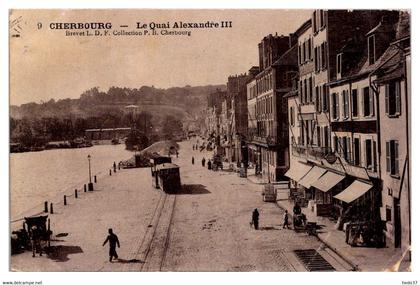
x=361 y=258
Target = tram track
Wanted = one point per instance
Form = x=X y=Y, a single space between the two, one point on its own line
x=149 y=254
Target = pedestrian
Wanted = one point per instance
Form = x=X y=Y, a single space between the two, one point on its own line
x=285 y=220
x=255 y=218
x=36 y=241
x=297 y=209
x=115 y=167
x=113 y=242
x=192 y=160
x=177 y=154
x=203 y=162
x=209 y=165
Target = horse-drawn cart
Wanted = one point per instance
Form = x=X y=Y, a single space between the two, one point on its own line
x=34 y=235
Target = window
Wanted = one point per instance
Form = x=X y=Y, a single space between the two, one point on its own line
x=316 y=59
x=326 y=137
x=346 y=151
x=356 y=151
x=300 y=91
x=321 y=56
x=314 y=29
x=388 y=214
x=392 y=161
x=369 y=154
x=325 y=98
x=292 y=117
x=309 y=49
x=324 y=55
x=335 y=106
x=310 y=90
x=371 y=49
x=354 y=102
x=318 y=136
x=336 y=144
x=345 y=95
x=305 y=90
x=321 y=18
x=344 y=147
x=339 y=64
x=367 y=102
x=317 y=99
x=393 y=98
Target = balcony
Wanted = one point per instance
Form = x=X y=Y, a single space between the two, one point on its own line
x=268 y=140
x=315 y=152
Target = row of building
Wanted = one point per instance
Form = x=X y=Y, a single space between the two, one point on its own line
x=328 y=108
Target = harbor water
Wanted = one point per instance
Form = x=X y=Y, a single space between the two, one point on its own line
x=47 y=175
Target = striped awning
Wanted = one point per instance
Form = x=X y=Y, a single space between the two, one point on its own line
x=354 y=191
x=328 y=181
x=296 y=172
x=312 y=176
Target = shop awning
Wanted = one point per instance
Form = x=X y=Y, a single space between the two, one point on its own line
x=328 y=181
x=296 y=172
x=354 y=191
x=312 y=176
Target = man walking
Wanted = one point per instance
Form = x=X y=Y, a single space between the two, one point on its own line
x=192 y=160
x=255 y=218
x=113 y=241
x=203 y=162
x=36 y=241
x=285 y=220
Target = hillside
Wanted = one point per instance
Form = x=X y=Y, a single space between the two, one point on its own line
x=176 y=101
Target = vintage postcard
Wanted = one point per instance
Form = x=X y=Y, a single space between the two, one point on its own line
x=210 y=140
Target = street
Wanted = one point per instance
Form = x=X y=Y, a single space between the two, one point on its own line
x=206 y=227
x=211 y=226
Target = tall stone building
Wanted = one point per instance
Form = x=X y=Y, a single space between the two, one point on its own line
x=269 y=142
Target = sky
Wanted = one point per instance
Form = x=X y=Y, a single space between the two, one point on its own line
x=45 y=64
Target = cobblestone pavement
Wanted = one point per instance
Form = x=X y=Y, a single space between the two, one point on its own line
x=211 y=225
x=206 y=227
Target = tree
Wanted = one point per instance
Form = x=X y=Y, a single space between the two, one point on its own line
x=136 y=140
x=171 y=127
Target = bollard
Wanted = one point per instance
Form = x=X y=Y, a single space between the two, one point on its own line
x=51 y=209
x=84 y=187
x=110 y=172
x=46 y=206
x=65 y=200
x=75 y=193
x=94 y=178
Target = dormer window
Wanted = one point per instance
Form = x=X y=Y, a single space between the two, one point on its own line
x=371 y=49
x=339 y=61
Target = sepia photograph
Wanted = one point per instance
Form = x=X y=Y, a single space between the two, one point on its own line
x=209 y=140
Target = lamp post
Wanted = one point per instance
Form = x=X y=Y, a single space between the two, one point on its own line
x=90 y=184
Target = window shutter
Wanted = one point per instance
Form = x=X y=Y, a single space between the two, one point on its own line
x=397 y=169
x=372 y=111
x=337 y=102
x=327 y=98
x=398 y=97
x=348 y=149
x=374 y=155
x=316 y=99
x=387 y=99
x=388 y=157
